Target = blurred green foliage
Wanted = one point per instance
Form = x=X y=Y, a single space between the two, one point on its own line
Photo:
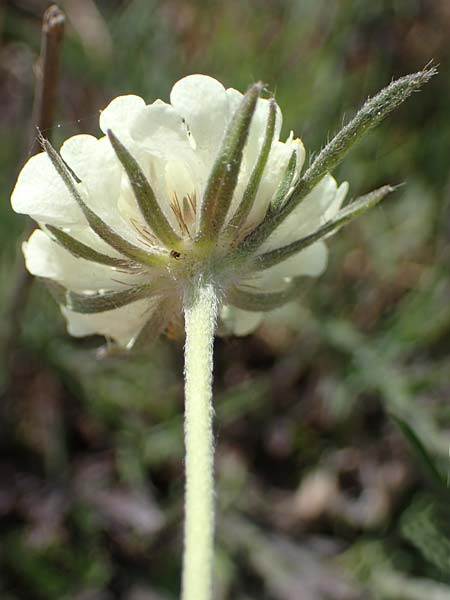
x=310 y=393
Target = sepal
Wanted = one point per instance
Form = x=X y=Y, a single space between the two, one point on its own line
x=81 y=250
x=285 y=184
x=264 y=301
x=225 y=172
x=156 y=324
x=106 y=233
x=369 y=116
x=144 y=194
x=96 y=302
x=345 y=215
x=251 y=190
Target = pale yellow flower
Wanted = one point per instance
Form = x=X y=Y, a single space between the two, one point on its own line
x=124 y=222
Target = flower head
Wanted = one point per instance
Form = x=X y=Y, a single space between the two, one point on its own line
x=201 y=188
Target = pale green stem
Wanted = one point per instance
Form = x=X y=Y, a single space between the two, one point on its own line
x=200 y=319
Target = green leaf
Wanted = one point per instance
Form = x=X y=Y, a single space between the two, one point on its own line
x=368 y=117
x=345 y=215
x=428 y=463
x=425 y=524
x=225 y=172
x=144 y=194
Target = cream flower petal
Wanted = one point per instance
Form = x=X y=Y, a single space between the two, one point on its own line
x=313 y=208
x=40 y=193
x=297 y=145
x=202 y=102
x=311 y=262
x=46 y=258
x=85 y=235
x=120 y=115
x=257 y=128
x=337 y=202
x=159 y=130
x=234 y=98
x=239 y=322
x=103 y=181
x=166 y=155
x=88 y=157
x=78 y=151
x=121 y=324
x=308 y=216
x=277 y=163
x=259 y=119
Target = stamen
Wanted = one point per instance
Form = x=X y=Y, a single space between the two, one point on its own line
x=146 y=236
x=189 y=211
x=175 y=206
x=193 y=202
x=186 y=215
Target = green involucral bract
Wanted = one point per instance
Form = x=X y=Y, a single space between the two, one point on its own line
x=201 y=187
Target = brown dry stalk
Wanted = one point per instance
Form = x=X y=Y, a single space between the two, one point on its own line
x=45 y=98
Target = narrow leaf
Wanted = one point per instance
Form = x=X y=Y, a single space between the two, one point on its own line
x=96 y=302
x=95 y=222
x=369 y=116
x=347 y=214
x=421 y=452
x=144 y=194
x=225 y=172
x=80 y=250
x=251 y=190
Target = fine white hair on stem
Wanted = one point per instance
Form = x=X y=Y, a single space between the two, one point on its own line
x=200 y=311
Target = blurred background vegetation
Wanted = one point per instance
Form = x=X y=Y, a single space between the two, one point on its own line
x=322 y=494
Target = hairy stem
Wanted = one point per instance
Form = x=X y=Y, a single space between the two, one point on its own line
x=200 y=319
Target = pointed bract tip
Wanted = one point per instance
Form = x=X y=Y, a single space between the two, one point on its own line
x=44 y=142
x=421 y=77
x=256 y=89
x=111 y=135
x=429 y=71
x=41 y=139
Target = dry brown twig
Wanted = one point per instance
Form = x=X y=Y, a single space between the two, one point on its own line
x=45 y=98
